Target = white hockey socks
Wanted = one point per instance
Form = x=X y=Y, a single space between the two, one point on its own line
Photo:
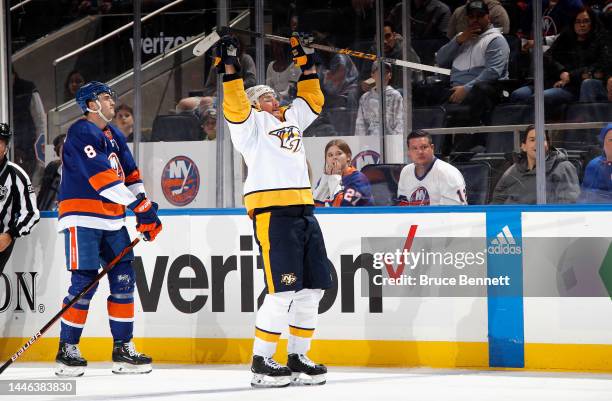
x=270 y=322
x=303 y=319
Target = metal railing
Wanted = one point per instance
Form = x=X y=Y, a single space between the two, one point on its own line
x=516 y=129
x=66 y=112
x=113 y=33
x=23 y=3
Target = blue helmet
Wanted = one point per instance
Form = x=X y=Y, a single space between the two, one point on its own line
x=91 y=91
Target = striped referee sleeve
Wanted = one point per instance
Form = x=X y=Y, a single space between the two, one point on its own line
x=27 y=213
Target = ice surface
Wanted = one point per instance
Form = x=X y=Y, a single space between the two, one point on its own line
x=231 y=382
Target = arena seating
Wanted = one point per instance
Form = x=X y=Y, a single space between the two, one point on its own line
x=507 y=114
x=477 y=176
x=176 y=127
x=585 y=112
x=383 y=181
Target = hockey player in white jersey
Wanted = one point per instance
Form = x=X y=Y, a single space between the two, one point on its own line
x=278 y=197
x=428 y=180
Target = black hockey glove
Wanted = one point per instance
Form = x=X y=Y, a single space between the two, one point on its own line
x=303 y=56
x=227 y=53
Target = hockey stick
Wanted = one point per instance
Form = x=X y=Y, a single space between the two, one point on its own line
x=74 y=300
x=203 y=45
x=212 y=39
x=209 y=41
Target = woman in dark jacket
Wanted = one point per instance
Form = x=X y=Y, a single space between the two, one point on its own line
x=518 y=184
x=576 y=64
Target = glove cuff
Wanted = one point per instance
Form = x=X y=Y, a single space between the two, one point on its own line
x=235 y=62
x=228 y=61
x=305 y=62
x=141 y=204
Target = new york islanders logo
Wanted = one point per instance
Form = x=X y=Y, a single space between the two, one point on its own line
x=420 y=197
x=364 y=158
x=180 y=181
x=116 y=165
x=290 y=137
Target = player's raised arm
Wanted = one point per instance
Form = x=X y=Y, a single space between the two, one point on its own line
x=236 y=107
x=309 y=102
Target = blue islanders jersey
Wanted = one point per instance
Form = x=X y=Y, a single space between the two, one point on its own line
x=354 y=190
x=99 y=177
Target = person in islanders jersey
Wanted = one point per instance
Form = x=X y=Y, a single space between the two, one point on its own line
x=428 y=180
x=341 y=184
x=278 y=197
x=99 y=179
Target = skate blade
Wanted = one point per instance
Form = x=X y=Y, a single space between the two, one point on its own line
x=263 y=381
x=62 y=370
x=302 y=379
x=123 y=368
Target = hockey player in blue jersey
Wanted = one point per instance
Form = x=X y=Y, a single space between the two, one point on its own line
x=341 y=184
x=99 y=179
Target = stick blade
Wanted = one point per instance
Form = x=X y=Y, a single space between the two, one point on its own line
x=422 y=67
x=203 y=45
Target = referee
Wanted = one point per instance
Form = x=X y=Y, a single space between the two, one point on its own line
x=18 y=212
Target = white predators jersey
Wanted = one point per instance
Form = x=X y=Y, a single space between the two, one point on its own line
x=442 y=184
x=272 y=149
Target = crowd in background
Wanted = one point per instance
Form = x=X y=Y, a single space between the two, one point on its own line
x=486 y=44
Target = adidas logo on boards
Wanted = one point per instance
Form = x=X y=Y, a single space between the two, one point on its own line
x=504 y=244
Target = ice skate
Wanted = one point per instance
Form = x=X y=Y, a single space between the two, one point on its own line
x=269 y=373
x=127 y=360
x=69 y=361
x=304 y=371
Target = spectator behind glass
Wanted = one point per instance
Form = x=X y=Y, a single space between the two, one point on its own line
x=518 y=184
x=90 y=7
x=576 y=64
x=74 y=81
x=209 y=124
x=29 y=122
x=124 y=120
x=499 y=18
x=201 y=108
x=428 y=18
x=428 y=26
x=47 y=196
x=478 y=58
x=597 y=182
x=392 y=48
x=557 y=15
x=282 y=74
x=368 y=118
x=607 y=15
x=428 y=180
x=341 y=184
x=340 y=83
x=195 y=105
x=293 y=23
